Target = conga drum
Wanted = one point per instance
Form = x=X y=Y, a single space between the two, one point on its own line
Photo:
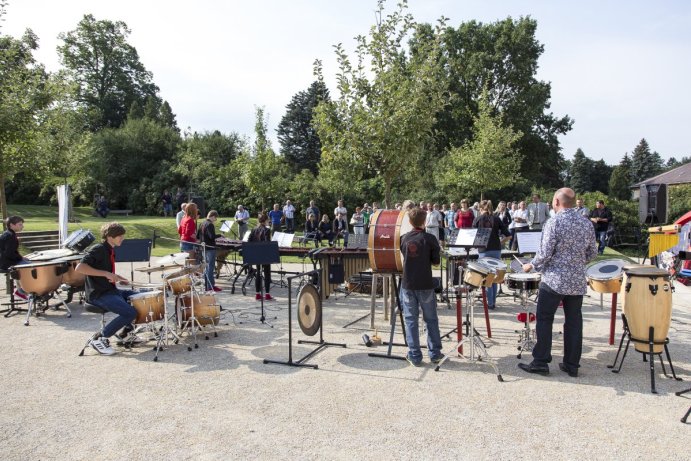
x=384 y=241
x=648 y=295
x=624 y=281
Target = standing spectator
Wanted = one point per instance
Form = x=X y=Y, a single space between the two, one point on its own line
x=167 y=200
x=180 y=215
x=289 y=214
x=102 y=208
x=340 y=228
x=581 y=209
x=476 y=210
x=433 y=220
x=179 y=197
x=340 y=209
x=312 y=209
x=450 y=218
x=464 y=216
x=601 y=217
x=242 y=216
x=358 y=221
x=538 y=213
x=520 y=223
x=276 y=217
x=488 y=220
x=366 y=215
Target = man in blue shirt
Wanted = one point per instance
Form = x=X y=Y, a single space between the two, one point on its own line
x=276 y=217
x=568 y=243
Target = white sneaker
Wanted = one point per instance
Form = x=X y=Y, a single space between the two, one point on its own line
x=102 y=345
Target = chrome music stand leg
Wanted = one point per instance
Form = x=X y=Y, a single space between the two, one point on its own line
x=30 y=308
x=474 y=342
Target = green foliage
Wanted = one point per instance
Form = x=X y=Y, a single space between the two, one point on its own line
x=501 y=57
x=644 y=164
x=679 y=199
x=106 y=69
x=384 y=116
x=488 y=162
x=300 y=145
x=580 y=173
x=625 y=212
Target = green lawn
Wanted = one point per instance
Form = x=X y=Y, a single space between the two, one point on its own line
x=46 y=218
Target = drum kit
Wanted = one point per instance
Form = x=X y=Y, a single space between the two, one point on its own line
x=193 y=309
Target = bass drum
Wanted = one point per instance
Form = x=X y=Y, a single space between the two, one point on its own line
x=384 y=241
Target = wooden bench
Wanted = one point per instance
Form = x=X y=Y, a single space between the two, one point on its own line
x=125 y=212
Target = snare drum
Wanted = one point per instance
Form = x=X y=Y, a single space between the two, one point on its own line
x=149 y=306
x=497 y=265
x=605 y=276
x=523 y=281
x=648 y=295
x=79 y=240
x=478 y=275
x=206 y=310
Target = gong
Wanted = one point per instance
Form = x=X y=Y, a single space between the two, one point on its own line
x=309 y=310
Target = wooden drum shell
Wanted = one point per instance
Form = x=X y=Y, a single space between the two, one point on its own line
x=605 y=286
x=645 y=310
x=206 y=310
x=384 y=241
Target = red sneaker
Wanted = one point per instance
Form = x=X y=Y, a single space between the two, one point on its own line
x=216 y=289
x=268 y=297
x=20 y=295
x=258 y=297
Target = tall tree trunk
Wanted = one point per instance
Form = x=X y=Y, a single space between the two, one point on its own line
x=3 y=199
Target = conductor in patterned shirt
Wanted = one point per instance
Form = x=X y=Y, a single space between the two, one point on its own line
x=568 y=243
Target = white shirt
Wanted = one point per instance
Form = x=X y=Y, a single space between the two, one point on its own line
x=340 y=209
x=244 y=214
x=434 y=219
x=289 y=211
x=523 y=214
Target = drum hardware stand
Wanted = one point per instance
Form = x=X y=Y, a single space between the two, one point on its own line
x=192 y=322
x=34 y=298
x=321 y=344
x=526 y=336
x=164 y=332
x=650 y=342
x=14 y=302
x=686 y=416
x=474 y=341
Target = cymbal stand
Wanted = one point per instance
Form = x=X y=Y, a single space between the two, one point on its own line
x=478 y=351
x=526 y=337
x=192 y=323
x=165 y=332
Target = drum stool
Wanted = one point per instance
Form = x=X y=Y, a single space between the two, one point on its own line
x=94 y=310
x=12 y=305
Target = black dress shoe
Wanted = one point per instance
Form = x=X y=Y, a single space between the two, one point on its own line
x=572 y=373
x=530 y=368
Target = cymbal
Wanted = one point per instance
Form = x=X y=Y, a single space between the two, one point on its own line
x=149 y=270
x=175 y=258
x=309 y=310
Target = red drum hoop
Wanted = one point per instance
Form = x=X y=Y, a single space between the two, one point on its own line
x=384 y=241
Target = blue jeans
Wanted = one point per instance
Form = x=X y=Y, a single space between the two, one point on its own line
x=209 y=280
x=411 y=302
x=290 y=225
x=491 y=291
x=602 y=238
x=186 y=246
x=116 y=302
x=547 y=302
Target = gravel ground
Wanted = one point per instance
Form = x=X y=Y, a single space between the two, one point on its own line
x=220 y=401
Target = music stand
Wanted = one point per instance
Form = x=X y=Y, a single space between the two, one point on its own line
x=133 y=250
x=259 y=254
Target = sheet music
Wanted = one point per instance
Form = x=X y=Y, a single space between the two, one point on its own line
x=277 y=237
x=246 y=237
x=528 y=242
x=225 y=227
x=466 y=237
x=286 y=240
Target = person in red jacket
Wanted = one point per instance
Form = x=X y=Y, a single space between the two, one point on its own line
x=188 y=228
x=465 y=216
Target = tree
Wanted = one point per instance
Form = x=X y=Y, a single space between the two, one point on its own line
x=488 y=162
x=501 y=57
x=300 y=145
x=24 y=94
x=581 y=173
x=600 y=175
x=644 y=164
x=621 y=180
x=383 y=118
x=106 y=69
x=265 y=174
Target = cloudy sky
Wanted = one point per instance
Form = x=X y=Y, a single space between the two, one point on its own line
x=620 y=69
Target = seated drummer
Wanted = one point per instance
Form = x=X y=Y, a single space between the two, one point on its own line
x=98 y=264
x=9 y=248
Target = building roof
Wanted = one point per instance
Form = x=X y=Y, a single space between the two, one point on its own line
x=679 y=175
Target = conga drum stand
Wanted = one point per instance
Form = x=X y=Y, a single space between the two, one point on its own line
x=478 y=351
x=650 y=342
x=686 y=416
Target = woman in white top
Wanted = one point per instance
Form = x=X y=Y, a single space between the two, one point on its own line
x=358 y=221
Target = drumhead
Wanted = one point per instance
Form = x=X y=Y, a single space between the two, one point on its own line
x=147 y=294
x=47 y=255
x=605 y=270
x=481 y=268
x=646 y=271
x=524 y=276
x=493 y=263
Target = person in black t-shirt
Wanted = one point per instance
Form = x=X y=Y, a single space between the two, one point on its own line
x=261 y=234
x=601 y=218
x=98 y=264
x=208 y=237
x=420 y=251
